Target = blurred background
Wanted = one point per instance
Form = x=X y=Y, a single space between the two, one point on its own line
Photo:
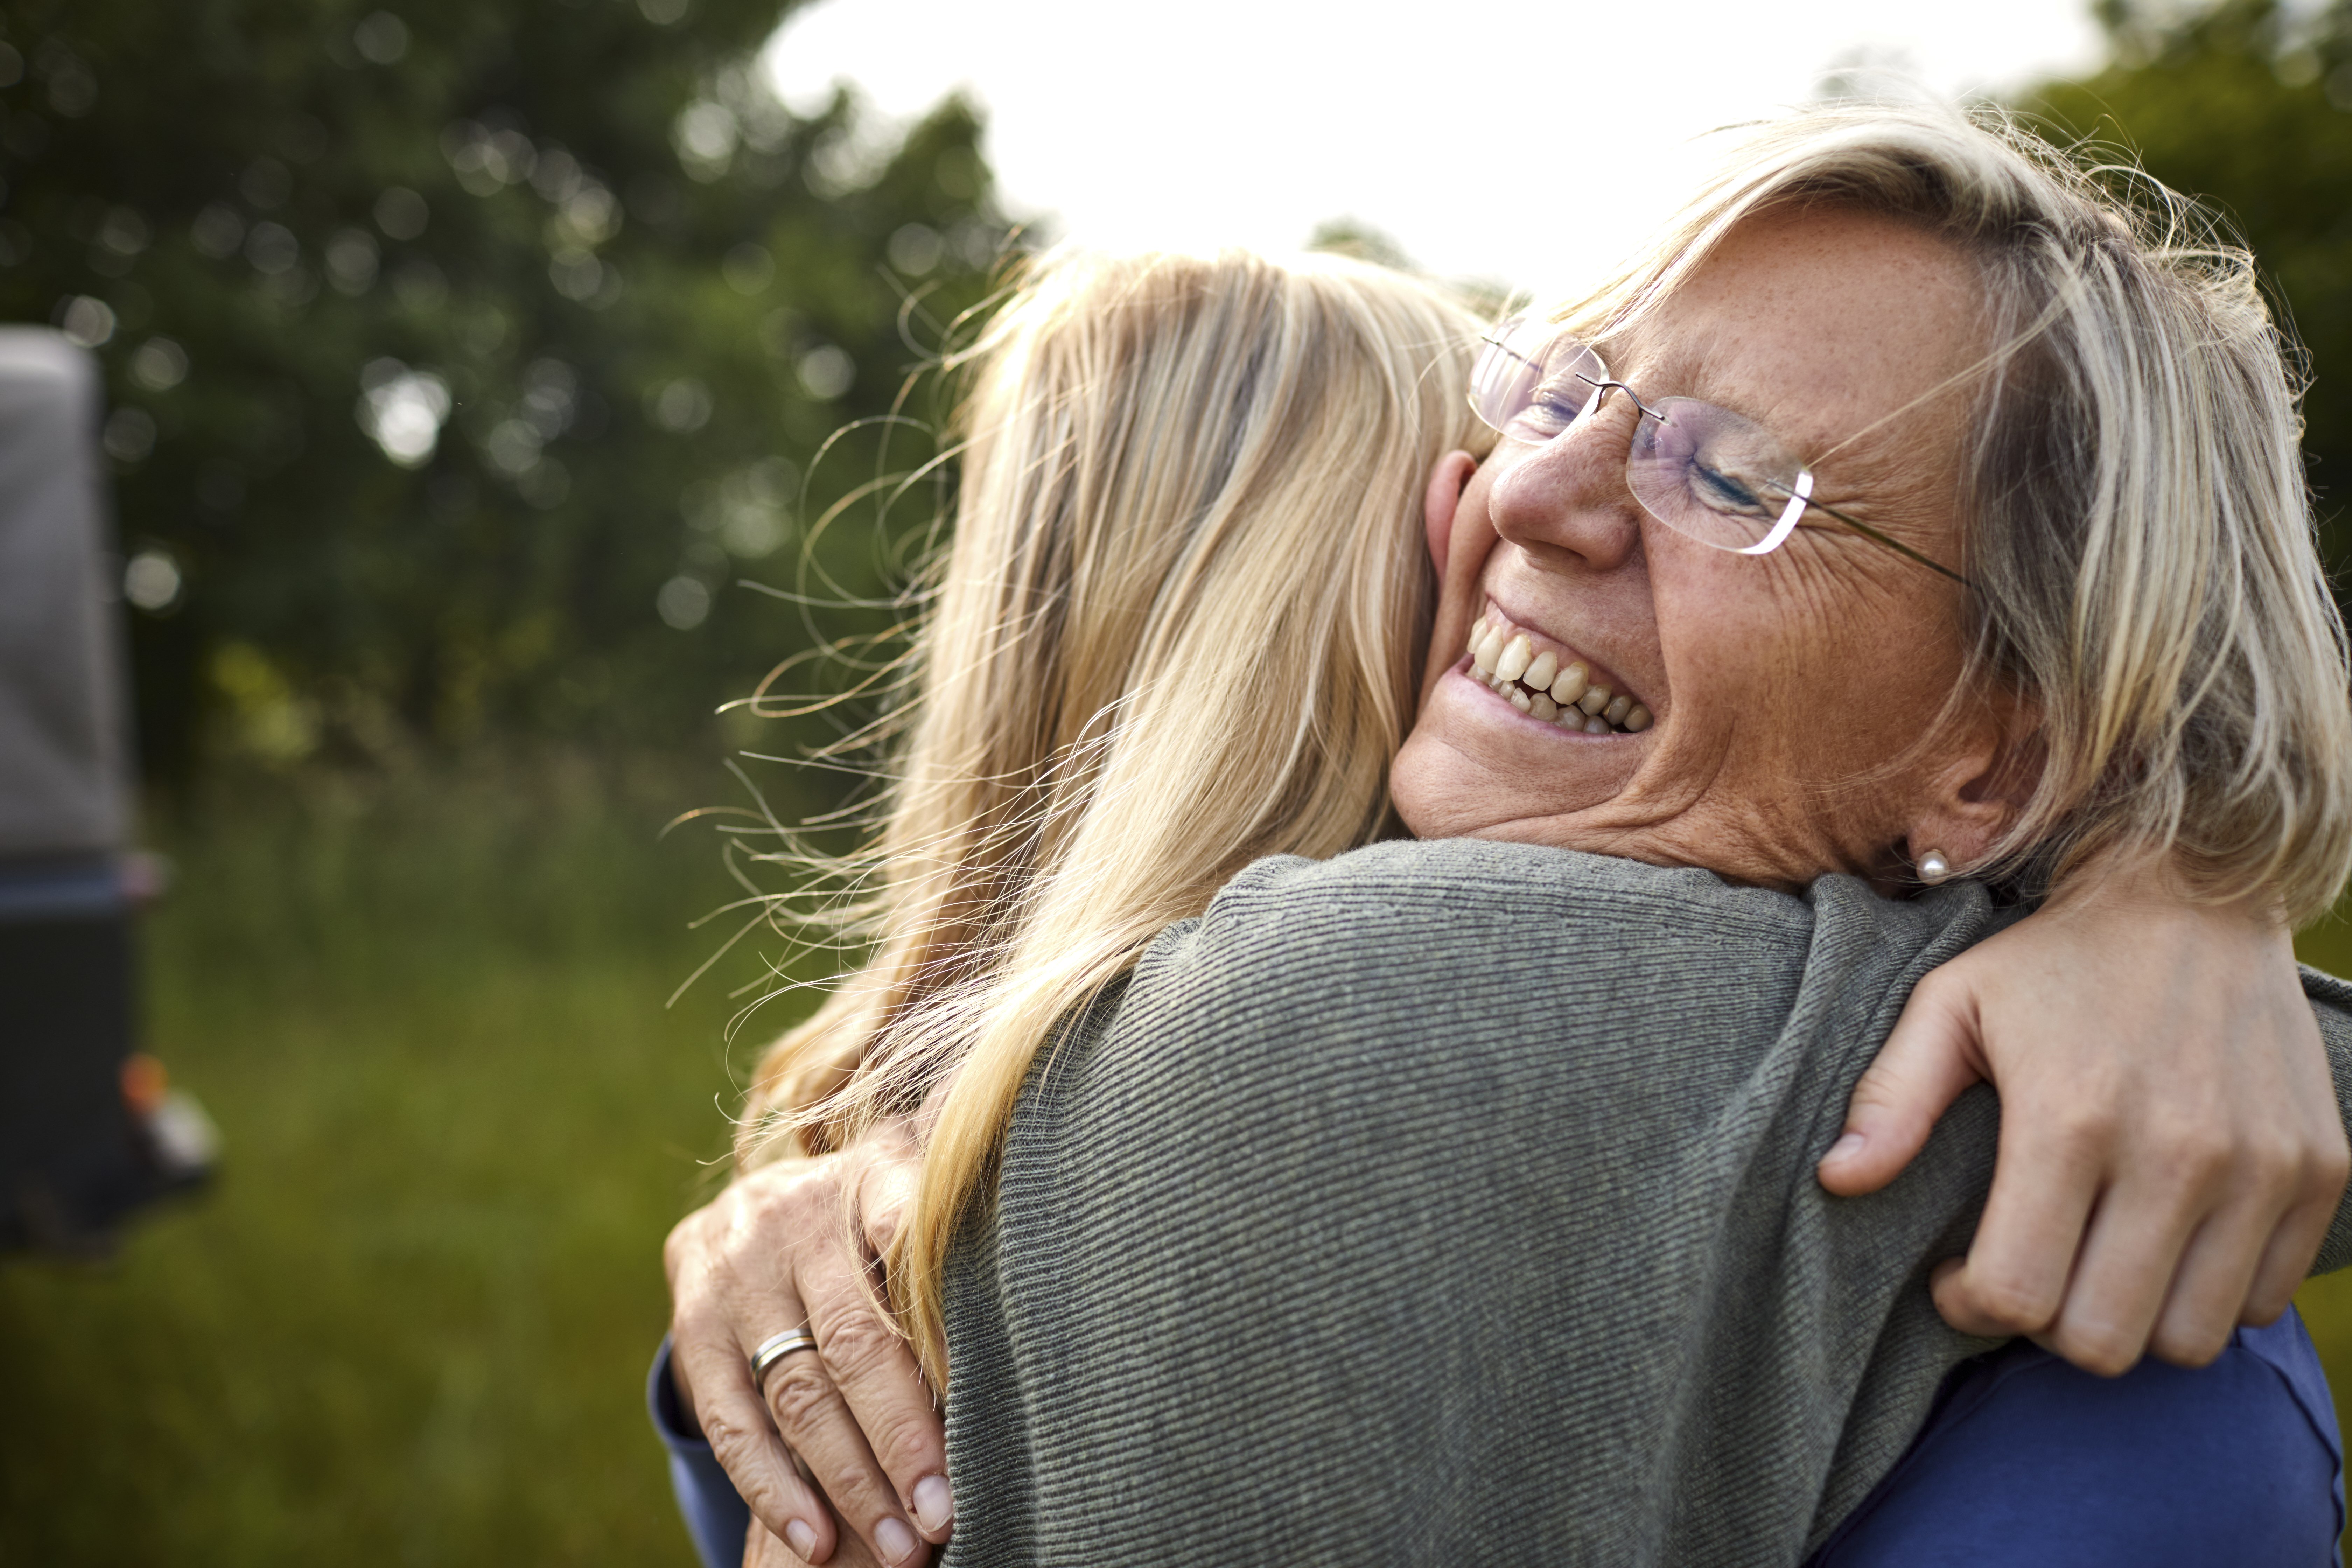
x=479 y=377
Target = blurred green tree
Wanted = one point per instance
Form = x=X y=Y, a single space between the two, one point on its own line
x=461 y=352
x=2248 y=103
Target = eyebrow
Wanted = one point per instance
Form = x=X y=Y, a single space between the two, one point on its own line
x=1695 y=383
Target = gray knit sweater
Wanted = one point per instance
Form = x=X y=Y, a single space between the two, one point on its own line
x=1454 y=1203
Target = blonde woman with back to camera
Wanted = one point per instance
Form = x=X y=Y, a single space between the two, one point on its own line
x=1458 y=1199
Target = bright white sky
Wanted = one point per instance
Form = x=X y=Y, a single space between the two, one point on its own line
x=1528 y=145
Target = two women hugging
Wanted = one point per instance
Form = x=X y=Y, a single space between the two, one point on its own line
x=1448 y=888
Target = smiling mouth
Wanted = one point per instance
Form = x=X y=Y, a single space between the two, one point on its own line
x=1547 y=683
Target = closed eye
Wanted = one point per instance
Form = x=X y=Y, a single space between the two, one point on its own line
x=1553 y=406
x=1719 y=492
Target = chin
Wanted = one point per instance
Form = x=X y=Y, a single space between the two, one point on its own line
x=1475 y=766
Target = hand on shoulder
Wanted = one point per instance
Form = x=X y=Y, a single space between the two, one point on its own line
x=2171 y=1151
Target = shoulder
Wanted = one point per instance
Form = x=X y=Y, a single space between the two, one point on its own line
x=1434 y=982
x=1406 y=883
x=2029 y=1462
x=1405 y=878
x=1482 y=933
x=1388 y=951
x=1466 y=912
x=2331 y=999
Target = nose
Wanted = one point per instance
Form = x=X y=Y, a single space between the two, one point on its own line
x=1566 y=503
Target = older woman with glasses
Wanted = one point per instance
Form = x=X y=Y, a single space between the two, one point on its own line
x=1933 y=534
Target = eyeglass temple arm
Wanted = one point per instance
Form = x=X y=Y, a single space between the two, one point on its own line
x=1894 y=545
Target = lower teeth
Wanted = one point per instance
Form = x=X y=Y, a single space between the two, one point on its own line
x=1539 y=705
x=1631 y=718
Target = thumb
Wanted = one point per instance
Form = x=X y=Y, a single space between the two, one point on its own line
x=1925 y=1064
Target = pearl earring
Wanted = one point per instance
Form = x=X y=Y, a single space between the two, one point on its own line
x=1934 y=868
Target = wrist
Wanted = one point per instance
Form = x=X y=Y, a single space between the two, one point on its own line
x=2137 y=883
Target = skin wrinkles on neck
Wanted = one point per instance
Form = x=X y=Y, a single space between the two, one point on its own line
x=1791 y=690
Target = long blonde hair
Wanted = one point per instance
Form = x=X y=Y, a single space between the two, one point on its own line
x=1178 y=628
x=2135 y=505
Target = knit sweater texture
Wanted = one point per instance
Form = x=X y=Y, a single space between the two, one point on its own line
x=1454 y=1202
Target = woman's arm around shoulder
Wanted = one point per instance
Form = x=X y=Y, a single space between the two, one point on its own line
x=2172 y=1149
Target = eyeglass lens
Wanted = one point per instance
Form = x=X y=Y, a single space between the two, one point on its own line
x=1704 y=472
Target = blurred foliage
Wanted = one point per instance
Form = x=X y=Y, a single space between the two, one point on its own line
x=1354 y=237
x=2248 y=103
x=460 y=353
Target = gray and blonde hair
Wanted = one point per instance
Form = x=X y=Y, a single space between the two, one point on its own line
x=2134 y=506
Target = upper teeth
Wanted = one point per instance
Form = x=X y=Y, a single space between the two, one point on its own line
x=1538 y=684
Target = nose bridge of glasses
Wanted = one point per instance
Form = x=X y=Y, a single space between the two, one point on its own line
x=1608 y=383
x=1596 y=417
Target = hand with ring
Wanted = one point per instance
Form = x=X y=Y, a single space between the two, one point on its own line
x=806 y=1394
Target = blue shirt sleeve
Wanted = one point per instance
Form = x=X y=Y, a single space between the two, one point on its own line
x=2030 y=1463
x=715 y=1516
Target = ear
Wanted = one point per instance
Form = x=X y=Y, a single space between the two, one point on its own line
x=1448 y=478
x=1980 y=788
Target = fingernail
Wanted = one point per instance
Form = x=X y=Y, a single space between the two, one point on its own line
x=934 y=1503
x=1850 y=1144
x=897 y=1541
x=801 y=1539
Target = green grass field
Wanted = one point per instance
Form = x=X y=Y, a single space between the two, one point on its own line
x=410 y=1324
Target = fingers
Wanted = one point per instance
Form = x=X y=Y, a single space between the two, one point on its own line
x=762 y=1550
x=2322 y=1162
x=783 y=1249
x=814 y=1418
x=2287 y=1260
x=2246 y=1260
x=1925 y=1064
x=735 y=1424
x=2169 y=1255
x=2170 y=1150
x=873 y=1371
x=2015 y=1278
x=875 y=1368
x=2210 y=1289
x=2132 y=1267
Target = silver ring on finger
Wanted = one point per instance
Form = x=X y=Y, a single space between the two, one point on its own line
x=775 y=1348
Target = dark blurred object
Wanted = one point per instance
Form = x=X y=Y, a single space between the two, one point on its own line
x=462 y=352
x=87 y=1131
x=2248 y=104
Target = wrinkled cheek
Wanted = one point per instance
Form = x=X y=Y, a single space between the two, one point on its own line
x=1725 y=664
x=1788 y=662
